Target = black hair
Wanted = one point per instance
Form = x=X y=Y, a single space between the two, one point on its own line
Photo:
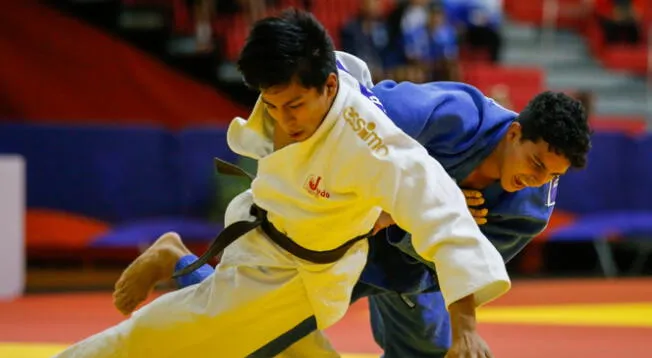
x=560 y=121
x=291 y=46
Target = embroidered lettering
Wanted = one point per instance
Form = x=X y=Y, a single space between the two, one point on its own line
x=312 y=187
x=365 y=130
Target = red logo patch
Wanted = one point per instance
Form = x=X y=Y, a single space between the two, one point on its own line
x=312 y=186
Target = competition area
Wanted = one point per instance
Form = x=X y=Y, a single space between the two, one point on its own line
x=548 y=318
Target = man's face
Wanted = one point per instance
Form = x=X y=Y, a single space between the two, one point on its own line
x=297 y=110
x=528 y=164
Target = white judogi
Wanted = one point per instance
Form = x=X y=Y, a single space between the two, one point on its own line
x=321 y=192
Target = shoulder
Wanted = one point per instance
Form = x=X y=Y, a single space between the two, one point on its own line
x=427 y=99
x=369 y=132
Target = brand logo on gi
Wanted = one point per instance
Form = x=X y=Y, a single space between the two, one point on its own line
x=312 y=186
x=552 y=192
x=365 y=130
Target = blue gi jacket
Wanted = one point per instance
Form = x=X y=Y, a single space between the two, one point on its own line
x=459 y=127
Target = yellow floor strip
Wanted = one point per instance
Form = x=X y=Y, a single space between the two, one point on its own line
x=29 y=350
x=34 y=350
x=613 y=315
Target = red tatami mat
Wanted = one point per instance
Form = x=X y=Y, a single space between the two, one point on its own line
x=65 y=318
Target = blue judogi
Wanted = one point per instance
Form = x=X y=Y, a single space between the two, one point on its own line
x=459 y=127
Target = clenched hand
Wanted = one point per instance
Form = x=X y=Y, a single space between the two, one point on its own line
x=474 y=200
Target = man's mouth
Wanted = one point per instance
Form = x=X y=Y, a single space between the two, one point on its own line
x=519 y=183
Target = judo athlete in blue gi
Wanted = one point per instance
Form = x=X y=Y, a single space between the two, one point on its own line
x=508 y=166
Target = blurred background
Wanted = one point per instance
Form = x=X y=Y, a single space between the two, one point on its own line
x=117 y=108
x=112 y=110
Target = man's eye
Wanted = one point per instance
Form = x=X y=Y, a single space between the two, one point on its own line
x=295 y=106
x=536 y=164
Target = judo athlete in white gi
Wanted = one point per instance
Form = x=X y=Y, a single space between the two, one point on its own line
x=329 y=162
x=471 y=136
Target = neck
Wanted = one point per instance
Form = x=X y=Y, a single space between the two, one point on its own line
x=487 y=172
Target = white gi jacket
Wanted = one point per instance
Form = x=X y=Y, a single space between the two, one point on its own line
x=332 y=187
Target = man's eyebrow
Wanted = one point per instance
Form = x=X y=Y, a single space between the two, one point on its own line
x=285 y=104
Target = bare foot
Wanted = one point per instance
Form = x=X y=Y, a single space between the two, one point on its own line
x=152 y=266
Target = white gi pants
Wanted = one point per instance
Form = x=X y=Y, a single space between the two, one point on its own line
x=258 y=293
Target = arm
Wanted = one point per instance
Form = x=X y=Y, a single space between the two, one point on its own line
x=423 y=200
x=419 y=194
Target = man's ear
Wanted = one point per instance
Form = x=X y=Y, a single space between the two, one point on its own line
x=514 y=131
x=331 y=84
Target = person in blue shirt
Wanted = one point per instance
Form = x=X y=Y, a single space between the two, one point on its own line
x=508 y=165
x=480 y=22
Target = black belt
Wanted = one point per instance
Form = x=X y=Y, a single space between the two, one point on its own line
x=239 y=228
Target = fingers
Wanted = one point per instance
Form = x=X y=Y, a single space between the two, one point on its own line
x=479 y=215
x=473 y=197
x=473 y=200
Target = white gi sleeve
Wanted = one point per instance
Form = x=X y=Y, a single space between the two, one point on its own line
x=424 y=201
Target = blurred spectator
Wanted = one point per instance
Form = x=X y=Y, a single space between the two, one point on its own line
x=414 y=41
x=203 y=11
x=414 y=30
x=367 y=37
x=398 y=67
x=424 y=42
x=443 y=47
x=480 y=21
x=620 y=20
